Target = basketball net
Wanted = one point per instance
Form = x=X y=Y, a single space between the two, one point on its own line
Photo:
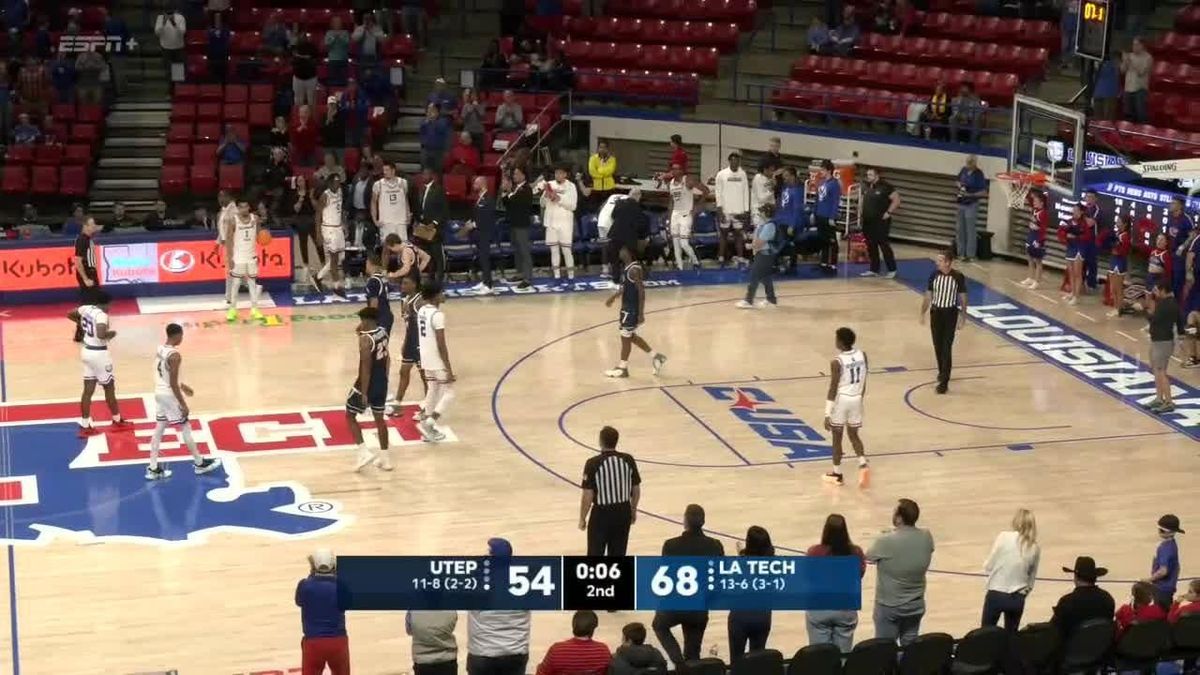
x=1017 y=185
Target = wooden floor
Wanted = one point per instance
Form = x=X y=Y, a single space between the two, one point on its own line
x=1096 y=472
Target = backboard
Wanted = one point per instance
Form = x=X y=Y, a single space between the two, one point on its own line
x=1051 y=139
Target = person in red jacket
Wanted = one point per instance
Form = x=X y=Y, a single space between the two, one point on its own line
x=463 y=157
x=1140 y=609
x=581 y=655
x=1189 y=603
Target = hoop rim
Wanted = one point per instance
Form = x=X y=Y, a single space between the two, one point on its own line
x=1032 y=178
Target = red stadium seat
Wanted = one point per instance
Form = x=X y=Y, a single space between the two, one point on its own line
x=204 y=153
x=1189 y=118
x=259 y=115
x=92 y=114
x=208 y=112
x=236 y=112
x=582 y=27
x=177 y=153
x=231 y=177
x=1187 y=19
x=84 y=133
x=183 y=112
x=181 y=132
x=74 y=181
x=15 y=181
x=246 y=42
x=63 y=112
x=207 y=131
x=262 y=93
x=77 y=154
x=174 y=179
x=963 y=27
x=936 y=24
x=399 y=47
x=236 y=93
x=626 y=55
x=49 y=155
x=1041 y=34
x=987 y=56
x=211 y=93
x=44 y=180
x=195 y=40
x=879 y=74
x=203 y=179
x=20 y=154
x=907 y=77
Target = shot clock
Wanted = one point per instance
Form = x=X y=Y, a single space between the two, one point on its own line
x=1092 y=30
x=570 y=583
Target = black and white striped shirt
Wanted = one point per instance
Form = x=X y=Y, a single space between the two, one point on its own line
x=611 y=475
x=944 y=289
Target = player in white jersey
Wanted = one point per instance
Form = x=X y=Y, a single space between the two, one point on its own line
x=389 y=204
x=844 y=404
x=97 y=363
x=559 y=199
x=241 y=247
x=683 y=189
x=435 y=361
x=333 y=233
x=171 y=408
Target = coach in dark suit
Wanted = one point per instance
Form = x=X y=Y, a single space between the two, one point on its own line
x=518 y=206
x=484 y=225
x=630 y=227
x=433 y=211
x=693 y=542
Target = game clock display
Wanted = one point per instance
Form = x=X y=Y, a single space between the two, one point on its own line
x=572 y=583
x=1092 y=29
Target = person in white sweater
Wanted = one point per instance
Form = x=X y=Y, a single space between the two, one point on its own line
x=732 y=191
x=559 y=199
x=1011 y=569
x=762 y=192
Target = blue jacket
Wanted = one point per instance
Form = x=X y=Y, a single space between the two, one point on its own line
x=791 y=208
x=317 y=598
x=829 y=195
x=435 y=134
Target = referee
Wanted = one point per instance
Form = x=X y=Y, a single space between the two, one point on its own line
x=611 y=490
x=946 y=302
x=85 y=267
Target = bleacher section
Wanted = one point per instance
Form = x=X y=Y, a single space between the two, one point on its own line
x=59 y=168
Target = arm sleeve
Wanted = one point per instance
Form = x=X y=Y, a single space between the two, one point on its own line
x=594 y=166
x=570 y=198
x=720 y=190
x=589 y=476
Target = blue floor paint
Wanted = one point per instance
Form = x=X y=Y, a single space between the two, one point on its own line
x=1020 y=447
x=12 y=552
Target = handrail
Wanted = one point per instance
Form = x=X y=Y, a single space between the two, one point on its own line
x=541 y=136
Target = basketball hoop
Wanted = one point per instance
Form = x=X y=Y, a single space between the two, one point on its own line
x=1018 y=184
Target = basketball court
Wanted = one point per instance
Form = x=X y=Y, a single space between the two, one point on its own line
x=108 y=574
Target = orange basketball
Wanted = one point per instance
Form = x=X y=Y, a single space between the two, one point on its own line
x=264 y=237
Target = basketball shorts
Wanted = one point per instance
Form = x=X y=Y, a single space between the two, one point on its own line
x=411 y=352
x=167 y=409
x=561 y=234
x=681 y=225
x=1152 y=279
x=375 y=399
x=334 y=239
x=1035 y=252
x=393 y=228
x=628 y=324
x=1074 y=252
x=847 y=411
x=734 y=220
x=245 y=269
x=97 y=366
x=1118 y=264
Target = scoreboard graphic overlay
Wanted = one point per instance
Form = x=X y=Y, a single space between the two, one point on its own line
x=572 y=583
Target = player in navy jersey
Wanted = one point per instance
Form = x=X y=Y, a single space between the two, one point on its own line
x=377 y=291
x=370 y=388
x=633 y=314
x=410 y=352
x=1121 y=241
x=1035 y=239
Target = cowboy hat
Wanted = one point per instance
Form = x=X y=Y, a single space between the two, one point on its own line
x=1085 y=568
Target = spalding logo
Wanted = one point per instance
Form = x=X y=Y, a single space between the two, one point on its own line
x=177 y=261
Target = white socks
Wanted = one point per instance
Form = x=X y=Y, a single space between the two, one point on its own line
x=438 y=398
x=255 y=289
x=560 y=255
x=683 y=246
x=232 y=284
x=185 y=432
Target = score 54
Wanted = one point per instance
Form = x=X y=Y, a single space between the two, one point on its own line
x=522 y=580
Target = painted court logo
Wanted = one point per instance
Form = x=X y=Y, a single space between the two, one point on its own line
x=777 y=426
x=55 y=485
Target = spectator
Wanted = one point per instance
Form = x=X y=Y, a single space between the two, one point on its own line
x=878 y=202
x=325 y=642
x=1163 y=316
x=158 y=220
x=303 y=134
x=275 y=176
x=62 y=78
x=434 y=647
x=498 y=640
x=634 y=656
x=1011 y=570
x=218 y=49
x=330 y=168
x=171 y=28
x=552 y=74
x=200 y=219
x=693 y=542
x=1066 y=25
x=972 y=186
x=232 y=150
x=368 y=38
x=509 y=114
x=602 y=167
x=279 y=133
x=965 y=111
x=53 y=132
x=937 y=113
x=16 y=15
x=679 y=155
x=750 y=627
x=75 y=221
x=442 y=98
x=494 y=67
x=299 y=208
x=1189 y=603
x=1107 y=90
x=304 y=71
x=120 y=218
x=845 y=36
x=1164 y=571
x=89 y=72
x=25 y=132
x=434 y=134
x=472 y=114
x=1141 y=607
x=1136 y=64
x=581 y=655
x=902 y=557
x=819 y=39
x=337 y=47
x=835 y=627
x=333 y=127
x=517 y=197
x=358 y=195
x=33 y=86
x=217 y=9
x=885 y=18
x=464 y=156
x=483 y=223
x=116 y=31
x=275 y=38
x=771 y=159
x=1086 y=601
x=792 y=213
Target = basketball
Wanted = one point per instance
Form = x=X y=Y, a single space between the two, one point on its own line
x=264 y=237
